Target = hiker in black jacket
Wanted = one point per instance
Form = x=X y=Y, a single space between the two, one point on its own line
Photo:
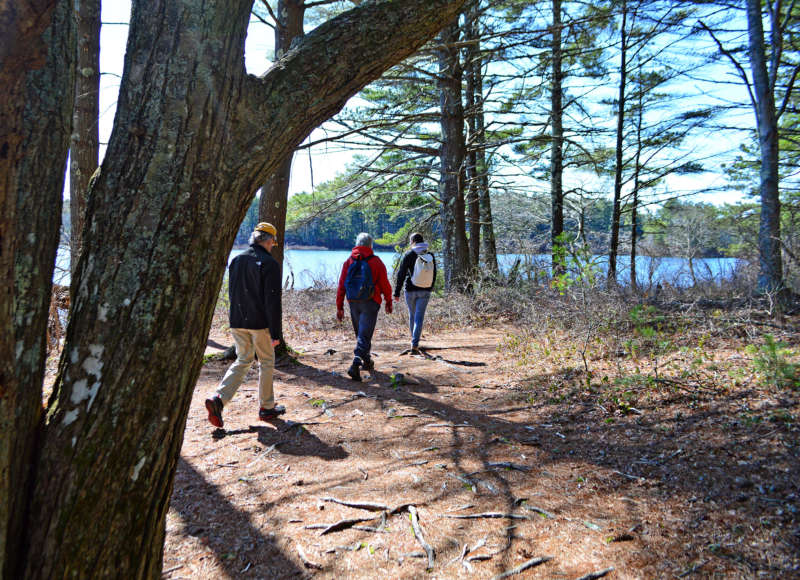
x=418 y=271
x=255 y=294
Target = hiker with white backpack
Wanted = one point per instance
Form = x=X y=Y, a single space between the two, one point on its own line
x=363 y=280
x=417 y=273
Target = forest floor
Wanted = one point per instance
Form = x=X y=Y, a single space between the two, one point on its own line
x=676 y=457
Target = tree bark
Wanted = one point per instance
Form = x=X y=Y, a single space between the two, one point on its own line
x=637 y=168
x=35 y=124
x=770 y=275
x=275 y=191
x=472 y=58
x=616 y=208
x=85 y=142
x=194 y=136
x=488 y=245
x=451 y=185
x=559 y=254
x=22 y=50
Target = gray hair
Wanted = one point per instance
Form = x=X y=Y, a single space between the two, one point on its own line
x=257 y=237
x=364 y=239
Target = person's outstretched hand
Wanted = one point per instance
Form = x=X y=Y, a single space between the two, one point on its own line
x=388 y=307
x=340 y=314
x=397 y=299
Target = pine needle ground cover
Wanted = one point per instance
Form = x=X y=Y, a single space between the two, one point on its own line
x=542 y=440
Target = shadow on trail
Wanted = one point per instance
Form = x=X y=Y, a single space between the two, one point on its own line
x=204 y=510
x=423 y=352
x=718 y=462
x=215 y=344
x=289 y=439
x=409 y=381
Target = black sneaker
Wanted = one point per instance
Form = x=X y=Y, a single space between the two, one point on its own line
x=214 y=408
x=415 y=350
x=354 y=372
x=267 y=414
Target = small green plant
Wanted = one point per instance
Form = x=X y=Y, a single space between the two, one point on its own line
x=317 y=402
x=770 y=360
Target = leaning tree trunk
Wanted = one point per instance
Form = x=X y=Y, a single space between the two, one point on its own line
x=616 y=210
x=559 y=254
x=85 y=143
x=34 y=133
x=770 y=275
x=451 y=185
x=194 y=136
x=275 y=190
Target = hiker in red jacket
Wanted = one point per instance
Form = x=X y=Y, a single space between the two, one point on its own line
x=363 y=280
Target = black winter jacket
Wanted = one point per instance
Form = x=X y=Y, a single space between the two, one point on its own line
x=255 y=290
x=405 y=270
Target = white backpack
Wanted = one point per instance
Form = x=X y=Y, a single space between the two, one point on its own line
x=422 y=276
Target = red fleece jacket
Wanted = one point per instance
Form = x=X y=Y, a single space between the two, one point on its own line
x=379 y=277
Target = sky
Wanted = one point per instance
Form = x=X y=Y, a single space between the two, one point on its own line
x=323 y=164
x=312 y=169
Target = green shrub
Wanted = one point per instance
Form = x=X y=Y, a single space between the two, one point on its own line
x=771 y=362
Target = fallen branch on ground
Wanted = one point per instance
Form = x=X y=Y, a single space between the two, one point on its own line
x=522 y=567
x=363 y=505
x=340 y=525
x=595 y=575
x=474 y=484
x=538 y=510
x=370 y=506
x=488 y=515
x=263 y=454
x=510 y=465
x=420 y=538
x=308 y=563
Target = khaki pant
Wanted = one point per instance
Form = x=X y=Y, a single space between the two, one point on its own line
x=249 y=342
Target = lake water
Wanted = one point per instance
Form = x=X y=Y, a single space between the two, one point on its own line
x=307 y=268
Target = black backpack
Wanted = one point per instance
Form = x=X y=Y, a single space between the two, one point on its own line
x=358 y=283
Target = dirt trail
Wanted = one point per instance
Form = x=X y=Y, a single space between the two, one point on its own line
x=670 y=490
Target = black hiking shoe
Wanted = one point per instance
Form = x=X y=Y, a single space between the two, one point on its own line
x=214 y=408
x=369 y=365
x=415 y=350
x=267 y=414
x=354 y=372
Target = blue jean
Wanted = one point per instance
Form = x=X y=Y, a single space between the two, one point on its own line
x=417 y=302
x=364 y=316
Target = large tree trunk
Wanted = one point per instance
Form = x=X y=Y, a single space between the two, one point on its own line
x=22 y=50
x=471 y=55
x=617 y=205
x=770 y=275
x=85 y=142
x=451 y=185
x=36 y=71
x=637 y=169
x=488 y=245
x=275 y=191
x=194 y=136
x=559 y=254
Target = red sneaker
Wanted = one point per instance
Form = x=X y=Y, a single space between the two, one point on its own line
x=267 y=414
x=214 y=408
